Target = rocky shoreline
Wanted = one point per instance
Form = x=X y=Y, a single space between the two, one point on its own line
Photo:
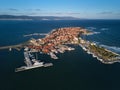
x=100 y=58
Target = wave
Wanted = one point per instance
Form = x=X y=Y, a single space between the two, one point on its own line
x=97 y=43
x=112 y=48
x=104 y=29
x=96 y=32
x=91 y=28
x=34 y=34
x=93 y=33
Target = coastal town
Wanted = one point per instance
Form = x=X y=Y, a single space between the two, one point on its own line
x=61 y=40
x=58 y=41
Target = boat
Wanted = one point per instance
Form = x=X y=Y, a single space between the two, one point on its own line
x=53 y=55
x=30 y=64
x=35 y=65
x=10 y=49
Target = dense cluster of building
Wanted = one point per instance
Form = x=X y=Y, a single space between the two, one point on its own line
x=57 y=40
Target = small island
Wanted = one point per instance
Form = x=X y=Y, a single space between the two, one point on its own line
x=60 y=40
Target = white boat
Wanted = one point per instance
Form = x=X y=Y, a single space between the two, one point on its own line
x=10 y=49
x=30 y=64
x=53 y=56
x=35 y=65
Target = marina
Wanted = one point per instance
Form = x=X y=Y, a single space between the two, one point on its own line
x=31 y=62
x=60 y=40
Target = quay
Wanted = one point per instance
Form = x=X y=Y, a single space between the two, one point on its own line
x=12 y=46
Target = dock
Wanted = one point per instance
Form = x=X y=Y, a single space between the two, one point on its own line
x=12 y=47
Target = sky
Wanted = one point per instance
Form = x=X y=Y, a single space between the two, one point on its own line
x=93 y=9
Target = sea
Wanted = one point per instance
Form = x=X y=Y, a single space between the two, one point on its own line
x=74 y=70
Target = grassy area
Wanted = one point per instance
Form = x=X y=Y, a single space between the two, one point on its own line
x=102 y=52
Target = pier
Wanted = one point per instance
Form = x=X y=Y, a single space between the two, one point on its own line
x=12 y=47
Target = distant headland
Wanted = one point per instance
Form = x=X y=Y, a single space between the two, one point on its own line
x=25 y=17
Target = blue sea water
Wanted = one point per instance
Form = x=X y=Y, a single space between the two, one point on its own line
x=75 y=70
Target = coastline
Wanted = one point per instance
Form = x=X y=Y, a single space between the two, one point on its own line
x=98 y=58
x=57 y=40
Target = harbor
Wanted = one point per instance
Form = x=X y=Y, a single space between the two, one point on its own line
x=59 y=41
x=31 y=61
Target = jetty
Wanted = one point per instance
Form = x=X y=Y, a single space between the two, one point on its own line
x=12 y=47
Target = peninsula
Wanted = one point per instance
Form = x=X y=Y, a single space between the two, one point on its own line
x=60 y=40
